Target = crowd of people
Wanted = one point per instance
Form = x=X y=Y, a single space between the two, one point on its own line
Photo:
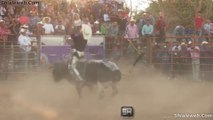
x=184 y=59
x=111 y=19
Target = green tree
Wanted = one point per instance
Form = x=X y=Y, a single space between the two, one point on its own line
x=181 y=11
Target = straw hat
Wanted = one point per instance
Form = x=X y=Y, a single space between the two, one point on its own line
x=1 y=21
x=132 y=20
x=77 y=22
x=96 y=22
x=190 y=42
x=40 y=23
x=120 y=10
x=204 y=42
x=98 y=32
x=183 y=43
x=22 y=30
x=44 y=19
x=25 y=26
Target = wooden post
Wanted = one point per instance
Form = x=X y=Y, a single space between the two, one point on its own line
x=172 y=61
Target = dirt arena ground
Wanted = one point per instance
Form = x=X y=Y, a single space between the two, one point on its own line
x=38 y=97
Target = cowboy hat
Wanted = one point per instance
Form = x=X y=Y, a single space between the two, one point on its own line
x=98 y=32
x=120 y=10
x=40 y=23
x=132 y=20
x=44 y=19
x=96 y=22
x=190 y=42
x=1 y=20
x=204 y=42
x=22 y=30
x=25 y=26
x=77 y=22
x=183 y=43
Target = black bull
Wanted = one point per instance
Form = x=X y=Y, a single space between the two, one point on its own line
x=93 y=72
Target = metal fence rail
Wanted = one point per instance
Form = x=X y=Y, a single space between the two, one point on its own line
x=10 y=59
x=10 y=54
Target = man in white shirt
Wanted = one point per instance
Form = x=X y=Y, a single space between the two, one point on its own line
x=60 y=29
x=48 y=27
x=87 y=30
x=2 y=11
x=25 y=47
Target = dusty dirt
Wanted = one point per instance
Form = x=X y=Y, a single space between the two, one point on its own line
x=153 y=96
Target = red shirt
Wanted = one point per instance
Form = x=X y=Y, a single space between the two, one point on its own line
x=160 y=25
x=198 y=22
x=3 y=31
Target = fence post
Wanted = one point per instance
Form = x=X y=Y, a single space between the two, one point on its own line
x=12 y=56
x=172 y=61
x=39 y=48
x=149 y=50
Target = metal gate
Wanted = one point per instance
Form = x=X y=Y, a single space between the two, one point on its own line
x=11 y=58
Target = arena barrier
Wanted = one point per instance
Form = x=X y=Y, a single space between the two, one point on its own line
x=171 y=64
x=11 y=59
x=111 y=47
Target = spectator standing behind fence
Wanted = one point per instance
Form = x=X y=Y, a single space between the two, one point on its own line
x=146 y=16
x=14 y=28
x=207 y=29
x=175 y=59
x=4 y=31
x=25 y=47
x=211 y=30
x=39 y=29
x=104 y=28
x=160 y=28
x=179 y=32
x=96 y=27
x=11 y=9
x=48 y=27
x=206 y=61
x=121 y=22
x=2 y=11
x=198 y=23
x=156 y=58
x=131 y=34
x=195 y=57
x=34 y=19
x=113 y=36
x=185 y=62
x=189 y=31
x=146 y=32
x=165 y=59
x=113 y=29
x=60 y=28
x=131 y=31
